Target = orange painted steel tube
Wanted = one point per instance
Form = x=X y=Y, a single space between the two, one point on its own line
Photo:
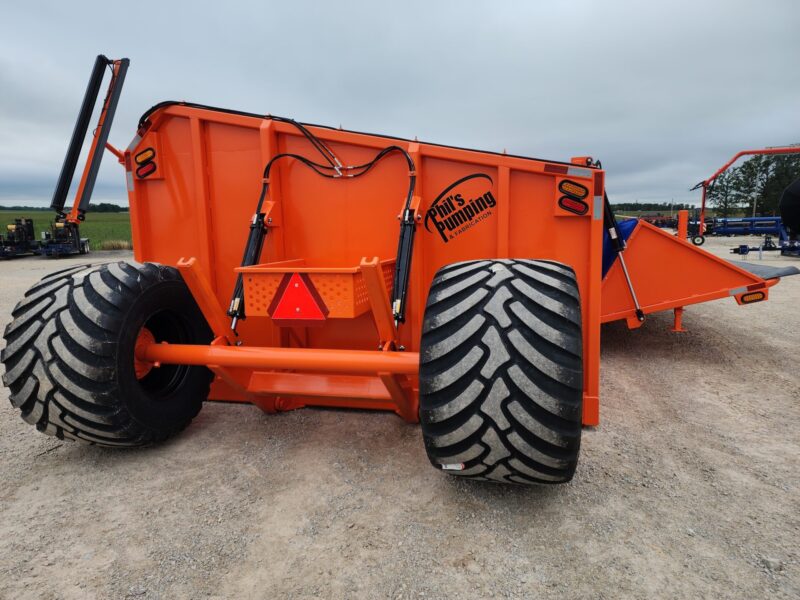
x=75 y=212
x=300 y=359
x=683 y=224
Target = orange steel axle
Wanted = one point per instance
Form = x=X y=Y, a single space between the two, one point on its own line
x=302 y=359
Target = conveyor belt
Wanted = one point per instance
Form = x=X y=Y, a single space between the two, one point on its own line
x=765 y=271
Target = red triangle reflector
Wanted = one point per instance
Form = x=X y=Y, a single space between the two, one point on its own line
x=297 y=302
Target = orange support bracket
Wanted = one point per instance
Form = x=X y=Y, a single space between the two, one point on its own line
x=397 y=386
x=591 y=411
x=116 y=152
x=678 y=323
x=204 y=296
x=407 y=403
x=378 y=296
x=238 y=379
x=215 y=317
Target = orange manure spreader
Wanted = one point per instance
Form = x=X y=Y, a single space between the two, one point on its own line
x=290 y=265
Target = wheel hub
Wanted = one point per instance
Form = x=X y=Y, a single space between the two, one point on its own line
x=144 y=339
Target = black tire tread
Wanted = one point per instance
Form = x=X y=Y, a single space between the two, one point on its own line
x=60 y=354
x=501 y=371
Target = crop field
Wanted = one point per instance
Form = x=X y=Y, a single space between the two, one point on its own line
x=100 y=228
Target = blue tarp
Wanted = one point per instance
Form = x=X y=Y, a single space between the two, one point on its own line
x=625 y=227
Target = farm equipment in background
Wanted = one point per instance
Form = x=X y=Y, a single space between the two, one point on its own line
x=791 y=249
x=661 y=221
x=288 y=265
x=731 y=226
x=19 y=240
x=768 y=245
x=786 y=227
x=63 y=239
x=698 y=237
x=789 y=206
x=694 y=230
x=769 y=227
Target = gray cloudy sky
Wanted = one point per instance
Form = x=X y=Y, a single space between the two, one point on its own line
x=661 y=92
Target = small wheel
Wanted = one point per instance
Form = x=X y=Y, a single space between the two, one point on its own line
x=698 y=240
x=501 y=371
x=70 y=362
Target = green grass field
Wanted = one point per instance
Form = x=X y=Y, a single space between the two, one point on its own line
x=98 y=227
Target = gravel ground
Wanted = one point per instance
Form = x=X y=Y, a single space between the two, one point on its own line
x=688 y=489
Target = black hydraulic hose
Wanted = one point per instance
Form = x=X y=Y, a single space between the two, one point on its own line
x=258 y=228
x=405 y=247
x=143 y=119
x=326 y=152
x=315 y=141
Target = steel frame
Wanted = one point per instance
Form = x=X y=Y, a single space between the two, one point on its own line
x=209 y=172
x=268 y=376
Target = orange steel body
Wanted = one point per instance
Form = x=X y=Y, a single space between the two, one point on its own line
x=193 y=212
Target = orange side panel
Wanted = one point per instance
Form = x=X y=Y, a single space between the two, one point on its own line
x=668 y=272
x=210 y=167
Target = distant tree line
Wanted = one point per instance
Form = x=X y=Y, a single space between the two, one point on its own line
x=100 y=207
x=658 y=207
x=107 y=207
x=754 y=188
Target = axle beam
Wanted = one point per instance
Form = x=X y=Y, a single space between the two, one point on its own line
x=266 y=358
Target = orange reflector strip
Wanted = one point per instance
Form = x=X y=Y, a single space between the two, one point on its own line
x=754 y=297
x=579 y=207
x=144 y=156
x=145 y=170
x=576 y=190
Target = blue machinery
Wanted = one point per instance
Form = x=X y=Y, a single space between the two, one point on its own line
x=766 y=226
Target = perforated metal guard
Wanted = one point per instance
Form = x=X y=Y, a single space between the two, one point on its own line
x=344 y=293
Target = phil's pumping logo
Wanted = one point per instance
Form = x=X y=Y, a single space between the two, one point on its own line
x=459 y=208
